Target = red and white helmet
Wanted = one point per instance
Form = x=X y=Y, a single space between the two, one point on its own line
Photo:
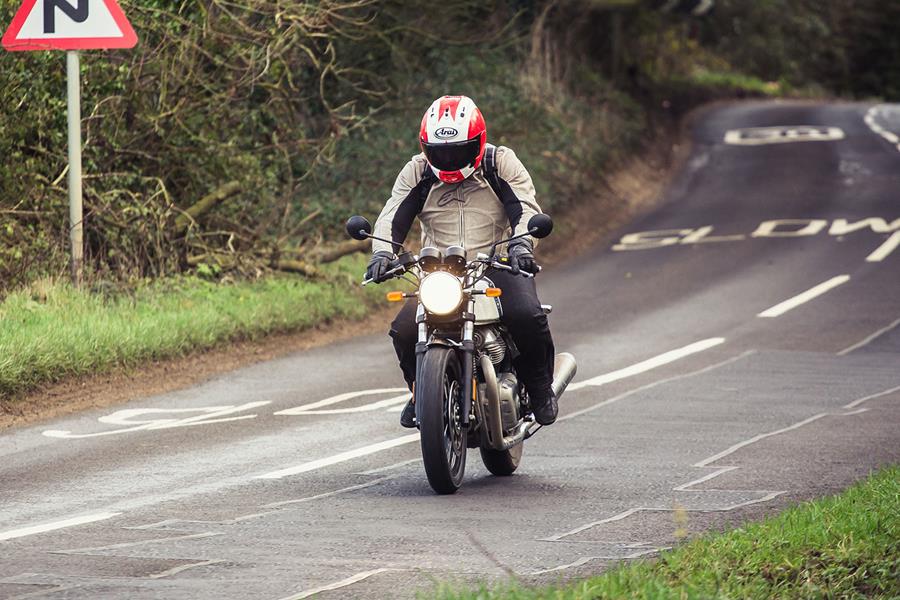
x=452 y=137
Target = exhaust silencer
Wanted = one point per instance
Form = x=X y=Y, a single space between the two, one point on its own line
x=563 y=371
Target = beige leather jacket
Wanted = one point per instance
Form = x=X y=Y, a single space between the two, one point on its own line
x=466 y=214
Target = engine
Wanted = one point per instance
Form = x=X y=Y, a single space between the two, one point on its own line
x=489 y=342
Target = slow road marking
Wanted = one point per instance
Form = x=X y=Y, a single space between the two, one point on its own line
x=891 y=137
x=810 y=294
x=34 y=529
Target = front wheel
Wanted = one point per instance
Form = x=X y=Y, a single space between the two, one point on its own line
x=502 y=462
x=442 y=436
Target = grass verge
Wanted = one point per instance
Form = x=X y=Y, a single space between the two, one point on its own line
x=51 y=331
x=845 y=546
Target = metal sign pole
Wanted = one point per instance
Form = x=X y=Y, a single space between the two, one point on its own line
x=76 y=234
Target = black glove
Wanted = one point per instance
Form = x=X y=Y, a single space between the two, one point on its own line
x=379 y=264
x=521 y=255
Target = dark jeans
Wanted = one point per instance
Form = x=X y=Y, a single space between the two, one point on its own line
x=522 y=315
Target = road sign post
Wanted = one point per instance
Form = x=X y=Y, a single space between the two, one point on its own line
x=76 y=214
x=58 y=25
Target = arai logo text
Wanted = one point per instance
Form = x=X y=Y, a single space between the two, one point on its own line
x=445 y=133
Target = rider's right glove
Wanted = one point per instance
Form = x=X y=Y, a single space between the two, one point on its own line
x=521 y=255
x=378 y=266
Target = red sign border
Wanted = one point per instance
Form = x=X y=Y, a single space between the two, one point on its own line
x=128 y=39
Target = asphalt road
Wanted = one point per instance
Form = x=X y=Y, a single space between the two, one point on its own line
x=738 y=350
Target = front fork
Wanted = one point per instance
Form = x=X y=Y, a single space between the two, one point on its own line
x=466 y=351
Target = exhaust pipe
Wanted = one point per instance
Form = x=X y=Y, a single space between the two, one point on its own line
x=564 y=369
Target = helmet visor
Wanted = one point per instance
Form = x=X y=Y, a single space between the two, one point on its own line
x=453 y=156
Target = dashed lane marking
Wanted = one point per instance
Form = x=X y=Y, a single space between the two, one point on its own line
x=885 y=249
x=651 y=363
x=650 y=386
x=35 y=529
x=339 y=458
x=810 y=294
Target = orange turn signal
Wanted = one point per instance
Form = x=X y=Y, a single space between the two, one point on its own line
x=493 y=292
x=394 y=296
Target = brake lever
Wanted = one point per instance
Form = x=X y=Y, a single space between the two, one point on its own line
x=395 y=272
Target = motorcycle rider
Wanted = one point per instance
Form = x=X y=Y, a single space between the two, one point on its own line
x=446 y=187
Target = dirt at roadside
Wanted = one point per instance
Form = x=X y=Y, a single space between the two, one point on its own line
x=630 y=190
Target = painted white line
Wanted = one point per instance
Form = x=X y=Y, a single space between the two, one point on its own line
x=35 y=529
x=856 y=403
x=339 y=458
x=351 y=488
x=399 y=401
x=176 y=570
x=299 y=410
x=398 y=465
x=649 y=364
x=649 y=386
x=757 y=438
x=338 y=584
x=95 y=549
x=869 y=119
x=866 y=341
x=885 y=249
x=683 y=487
x=577 y=563
x=810 y=294
x=624 y=515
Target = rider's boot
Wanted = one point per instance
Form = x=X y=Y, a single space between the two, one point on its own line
x=408 y=416
x=544 y=406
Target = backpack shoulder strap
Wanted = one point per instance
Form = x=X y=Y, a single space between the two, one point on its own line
x=489 y=164
x=428 y=179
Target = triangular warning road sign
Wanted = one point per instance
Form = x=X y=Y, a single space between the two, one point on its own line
x=62 y=25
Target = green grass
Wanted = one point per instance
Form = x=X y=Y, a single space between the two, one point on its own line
x=846 y=546
x=52 y=331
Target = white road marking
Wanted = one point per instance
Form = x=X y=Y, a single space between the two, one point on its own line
x=306 y=408
x=339 y=458
x=885 y=249
x=338 y=584
x=856 y=403
x=94 y=549
x=869 y=119
x=623 y=515
x=390 y=467
x=810 y=294
x=35 y=529
x=757 y=438
x=777 y=228
x=649 y=364
x=869 y=339
x=351 y=488
x=396 y=401
x=649 y=386
x=176 y=570
x=209 y=415
x=756 y=136
x=720 y=471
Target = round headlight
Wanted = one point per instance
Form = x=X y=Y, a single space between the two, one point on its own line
x=441 y=293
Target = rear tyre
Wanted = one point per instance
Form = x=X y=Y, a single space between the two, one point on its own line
x=502 y=462
x=443 y=440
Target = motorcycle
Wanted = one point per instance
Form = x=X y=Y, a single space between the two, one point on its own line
x=467 y=393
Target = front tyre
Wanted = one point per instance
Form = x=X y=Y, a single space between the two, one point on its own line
x=502 y=462
x=443 y=439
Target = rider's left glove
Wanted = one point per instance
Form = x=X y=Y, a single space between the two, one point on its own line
x=378 y=265
x=521 y=255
